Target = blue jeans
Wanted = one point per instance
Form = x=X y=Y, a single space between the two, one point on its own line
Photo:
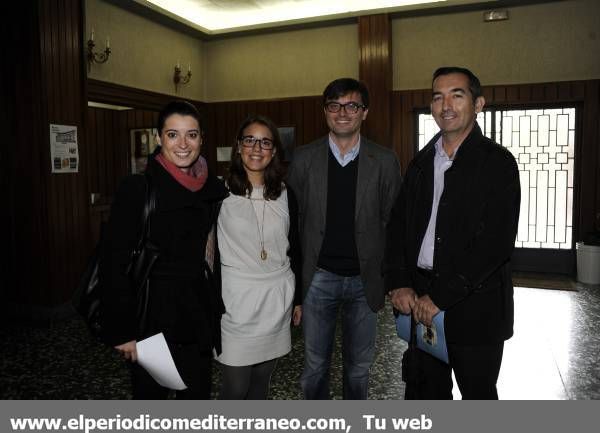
x=359 y=327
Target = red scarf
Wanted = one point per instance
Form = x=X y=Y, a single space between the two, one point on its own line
x=194 y=181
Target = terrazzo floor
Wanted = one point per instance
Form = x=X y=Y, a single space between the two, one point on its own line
x=553 y=355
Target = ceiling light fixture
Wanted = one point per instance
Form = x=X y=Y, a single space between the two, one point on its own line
x=211 y=16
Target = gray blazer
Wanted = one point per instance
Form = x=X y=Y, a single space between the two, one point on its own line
x=377 y=186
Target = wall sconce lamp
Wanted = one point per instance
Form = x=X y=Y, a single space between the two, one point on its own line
x=98 y=57
x=178 y=78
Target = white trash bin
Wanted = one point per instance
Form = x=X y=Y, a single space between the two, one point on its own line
x=588 y=263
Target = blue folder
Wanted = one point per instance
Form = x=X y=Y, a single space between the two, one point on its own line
x=429 y=339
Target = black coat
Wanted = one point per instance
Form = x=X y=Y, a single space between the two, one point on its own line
x=182 y=303
x=474 y=237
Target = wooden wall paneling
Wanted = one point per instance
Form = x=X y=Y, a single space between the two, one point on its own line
x=309 y=123
x=90 y=149
x=262 y=108
x=124 y=149
x=148 y=119
x=26 y=205
x=32 y=287
x=208 y=149
x=396 y=123
x=222 y=123
x=70 y=18
x=52 y=110
x=564 y=91
x=499 y=94
x=229 y=116
x=8 y=125
x=113 y=143
x=139 y=118
x=248 y=108
x=297 y=120
x=408 y=130
x=423 y=99
x=578 y=90
x=209 y=140
x=551 y=91
x=488 y=94
x=241 y=112
x=537 y=92
x=512 y=93
x=220 y=131
x=103 y=131
x=121 y=155
x=594 y=141
x=524 y=92
x=47 y=31
x=233 y=122
x=65 y=192
x=589 y=177
x=321 y=127
x=375 y=69
x=285 y=112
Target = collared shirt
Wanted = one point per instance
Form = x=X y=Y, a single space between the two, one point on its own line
x=441 y=163
x=348 y=156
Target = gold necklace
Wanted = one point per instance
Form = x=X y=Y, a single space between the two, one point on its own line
x=260 y=228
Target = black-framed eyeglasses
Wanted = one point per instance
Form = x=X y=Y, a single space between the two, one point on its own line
x=249 y=141
x=350 y=107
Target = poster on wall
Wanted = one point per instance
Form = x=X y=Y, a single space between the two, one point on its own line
x=64 y=152
x=143 y=143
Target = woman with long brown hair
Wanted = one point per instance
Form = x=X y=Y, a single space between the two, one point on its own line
x=257 y=234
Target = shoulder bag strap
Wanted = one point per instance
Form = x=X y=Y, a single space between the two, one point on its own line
x=147 y=211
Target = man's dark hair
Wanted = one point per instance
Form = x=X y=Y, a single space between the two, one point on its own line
x=343 y=86
x=183 y=108
x=474 y=84
x=237 y=179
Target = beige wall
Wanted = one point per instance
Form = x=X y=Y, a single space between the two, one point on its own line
x=277 y=65
x=144 y=53
x=540 y=43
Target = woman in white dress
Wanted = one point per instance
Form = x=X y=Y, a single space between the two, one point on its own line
x=260 y=258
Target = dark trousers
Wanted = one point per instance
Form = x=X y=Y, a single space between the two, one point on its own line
x=476 y=369
x=194 y=367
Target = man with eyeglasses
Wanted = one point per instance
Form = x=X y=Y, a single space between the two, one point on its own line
x=345 y=185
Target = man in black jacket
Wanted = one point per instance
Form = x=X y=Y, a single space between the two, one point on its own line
x=450 y=239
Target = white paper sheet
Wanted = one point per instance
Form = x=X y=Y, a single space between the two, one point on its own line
x=154 y=356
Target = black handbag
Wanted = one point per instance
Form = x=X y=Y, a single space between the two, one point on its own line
x=87 y=299
x=142 y=260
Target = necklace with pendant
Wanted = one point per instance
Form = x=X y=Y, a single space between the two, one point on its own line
x=260 y=227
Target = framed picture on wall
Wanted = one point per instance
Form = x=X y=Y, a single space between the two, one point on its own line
x=143 y=143
x=288 y=141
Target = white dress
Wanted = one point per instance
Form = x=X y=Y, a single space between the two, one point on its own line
x=258 y=294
